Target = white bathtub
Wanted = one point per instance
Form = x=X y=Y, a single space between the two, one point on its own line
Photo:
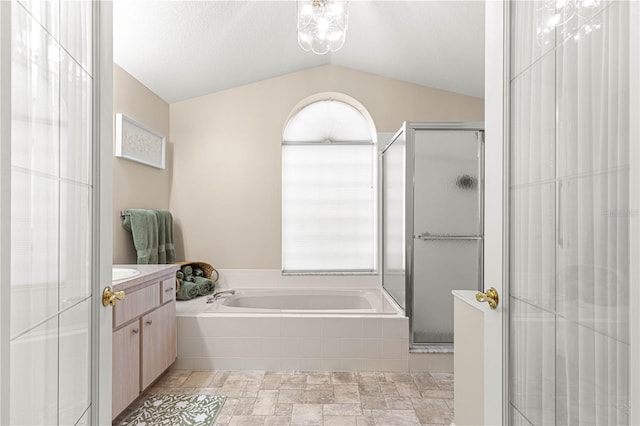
x=293 y=327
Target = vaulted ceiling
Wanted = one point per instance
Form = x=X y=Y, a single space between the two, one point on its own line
x=184 y=49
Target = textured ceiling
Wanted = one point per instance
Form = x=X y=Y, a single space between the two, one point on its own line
x=184 y=49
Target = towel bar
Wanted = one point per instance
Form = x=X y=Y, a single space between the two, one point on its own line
x=124 y=213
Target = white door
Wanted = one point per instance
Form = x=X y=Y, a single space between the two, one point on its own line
x=494 y=215
x=55 y=336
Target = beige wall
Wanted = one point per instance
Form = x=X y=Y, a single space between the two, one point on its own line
x=136 y=185
x=225 y=192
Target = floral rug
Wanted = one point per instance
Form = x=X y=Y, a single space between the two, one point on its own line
x=185 y=410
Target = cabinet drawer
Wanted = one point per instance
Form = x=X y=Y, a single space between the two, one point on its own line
x=135 y=304
x=168 y=288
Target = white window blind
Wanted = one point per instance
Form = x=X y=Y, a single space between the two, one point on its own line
x=328 y=191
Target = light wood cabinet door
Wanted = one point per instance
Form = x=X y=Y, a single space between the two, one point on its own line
x=126 y=367
x=158 y=342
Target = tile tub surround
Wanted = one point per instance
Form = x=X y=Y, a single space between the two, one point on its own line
x=320 y=398
x=285 y=341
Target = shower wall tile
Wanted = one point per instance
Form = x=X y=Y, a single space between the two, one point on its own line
x=75 y=243
x=593 y=261
x=526 y=47
x=75 y=362
x=533 y=244
x=593 y=97
x=75 y=121
x=34 y=249
x=34 y=376
x=592 y=385
x=34 y=96
x=533 y=123
x=532 y=362
x=76 y=30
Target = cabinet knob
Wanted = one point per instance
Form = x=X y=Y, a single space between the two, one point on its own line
x=135 y=330
x=148 y=322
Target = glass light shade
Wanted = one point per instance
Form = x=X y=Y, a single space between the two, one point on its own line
x=322 y=25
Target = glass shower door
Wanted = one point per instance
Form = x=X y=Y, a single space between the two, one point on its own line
x=394 y=224
x=447 y=222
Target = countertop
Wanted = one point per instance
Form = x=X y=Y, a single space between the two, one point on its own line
x=147 y=273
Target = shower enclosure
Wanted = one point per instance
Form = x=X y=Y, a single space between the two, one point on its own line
x=432 y=180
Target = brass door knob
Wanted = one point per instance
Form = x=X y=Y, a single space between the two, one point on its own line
x=490 y=296
x=109 y=297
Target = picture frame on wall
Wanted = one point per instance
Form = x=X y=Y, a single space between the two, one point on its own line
x=137 y=142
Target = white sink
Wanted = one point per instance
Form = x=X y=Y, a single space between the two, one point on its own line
x=118 y=274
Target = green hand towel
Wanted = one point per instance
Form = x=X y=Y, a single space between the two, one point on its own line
x=187 y=270
x=166 y=250
x=180 y=275
x=143 y=225
x=198 y=272
x=187 y=291
x=205 y=285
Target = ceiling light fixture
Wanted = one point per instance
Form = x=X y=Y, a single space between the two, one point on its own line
x=322 y=25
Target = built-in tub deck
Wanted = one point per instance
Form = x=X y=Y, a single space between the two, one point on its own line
x=289 y=328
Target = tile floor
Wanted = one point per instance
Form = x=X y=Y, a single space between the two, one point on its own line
x=320 y=398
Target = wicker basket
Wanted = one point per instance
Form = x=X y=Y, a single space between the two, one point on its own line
x=206 y=268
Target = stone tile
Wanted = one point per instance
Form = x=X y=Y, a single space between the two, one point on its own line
x=319 y=387
x=341 y=410
x=306 y=415
x=246 y=376
x=442 y=376
x=244 y=407
x=435 y=411
x=450 y=404
x=319 y=379
x=389 y=389
x=317 y=397
x=294 y=381
x=277 y=421
x=436 y=394
x=198 y=379
x=339 y=421
x=346 y=394
x=408 y=390
x=290 y=396
x=398 y=377
x=219 y=379
x=271 y=381
x=173 y=378
x=364 y=421
x=369 y=387
x=367 y=375
x=265 y=403
x=394 y=403
x=424 y=380
x=234 y=389
x=373 y=402
x=283 y=409
x=229 y=407
x=246 y=421
x=395 y=418
x=342 y=377
x=222 y=420
x=251 y=389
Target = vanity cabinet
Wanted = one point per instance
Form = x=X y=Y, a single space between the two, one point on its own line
x=144 y=342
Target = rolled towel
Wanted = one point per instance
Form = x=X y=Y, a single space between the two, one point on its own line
x=189 y=278
x=180 y=275
x=205 y=285
x=187 y=270
x=198 y=272
x=187 y=291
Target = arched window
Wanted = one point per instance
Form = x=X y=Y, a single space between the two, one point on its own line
x=329 y=190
